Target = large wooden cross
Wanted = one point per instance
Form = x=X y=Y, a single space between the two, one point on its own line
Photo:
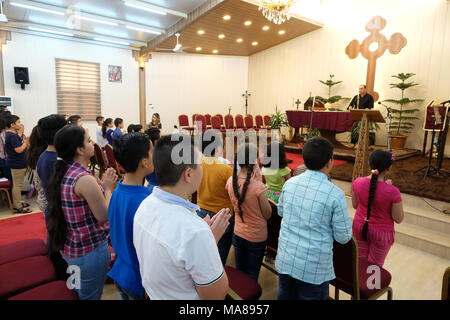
x=373 y=47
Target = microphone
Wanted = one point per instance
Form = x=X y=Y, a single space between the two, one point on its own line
x=387 y=108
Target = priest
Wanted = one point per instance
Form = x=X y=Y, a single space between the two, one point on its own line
x=363 y=100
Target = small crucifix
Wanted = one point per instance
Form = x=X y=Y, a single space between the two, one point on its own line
x=373 y=47
x=298 y=103
x=246 y=95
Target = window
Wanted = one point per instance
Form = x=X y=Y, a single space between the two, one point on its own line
x=78 y=88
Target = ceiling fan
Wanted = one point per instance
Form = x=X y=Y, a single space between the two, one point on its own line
x=178 y=47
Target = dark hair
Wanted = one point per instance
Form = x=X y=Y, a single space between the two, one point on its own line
x=3 y=119
x=105 y=125
x=72 y=120
x=98 y=119
x=211 y=137
x=49 y=125
x=130 y=128
x=11 y=119
x=153 y=134
x=317 y=152
x=37 y=146
x=130 y=149
x=67 y=140
x=245 y=157
x=167 y=172
x=137 y=127
x=379 y=160
x=281 y=162
x=117 y=122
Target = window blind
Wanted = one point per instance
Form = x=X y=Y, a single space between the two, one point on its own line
x=78 y=88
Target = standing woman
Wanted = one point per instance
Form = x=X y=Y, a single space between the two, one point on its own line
x=107 y=130
x=37 y=146
x=79 y=210
x=156 y=121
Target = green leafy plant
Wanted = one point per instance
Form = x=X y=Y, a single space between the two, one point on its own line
x=354 y=135
x=278 y=120
x=403 y=117
x=308 y=135
x=331 y=99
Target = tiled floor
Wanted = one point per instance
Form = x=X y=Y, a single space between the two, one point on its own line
x=415 y=274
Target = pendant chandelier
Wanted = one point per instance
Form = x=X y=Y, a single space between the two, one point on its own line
x=276 y=11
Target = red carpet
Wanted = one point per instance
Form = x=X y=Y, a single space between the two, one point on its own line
x=297 y=160
x=31 y=226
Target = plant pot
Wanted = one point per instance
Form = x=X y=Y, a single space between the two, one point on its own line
x=397 y=142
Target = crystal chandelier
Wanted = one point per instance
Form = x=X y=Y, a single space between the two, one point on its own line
x=276 y=11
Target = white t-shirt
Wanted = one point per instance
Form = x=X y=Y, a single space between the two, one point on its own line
x=100 y=140
x=176 y=250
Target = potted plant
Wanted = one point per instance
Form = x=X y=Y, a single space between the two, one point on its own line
x=402 y=117
x=354 y=135
x=278 y=120
x=331 y=100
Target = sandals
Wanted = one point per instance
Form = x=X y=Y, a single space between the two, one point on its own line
x=22 y=210
x=25 y=205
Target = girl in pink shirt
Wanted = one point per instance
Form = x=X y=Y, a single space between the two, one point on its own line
x=378 y=204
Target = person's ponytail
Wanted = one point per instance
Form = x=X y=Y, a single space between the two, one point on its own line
x=372 y=188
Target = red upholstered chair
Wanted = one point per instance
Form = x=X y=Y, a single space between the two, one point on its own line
x=221 y=118
x=267 y=121
x=112 y=161
x=259 y=122
x=352 y=274
x=242 y=287
x=239 y=122
x=193 y=118
x=208 y=119
x=25 y=274
x=183 y=122
x=22 y=249
x=249 y=122
x=229 y=121
x=201 y=118
x=5 y=187
x=217 y=124
x=55 y=290
x=100 y=159
x=446 y=285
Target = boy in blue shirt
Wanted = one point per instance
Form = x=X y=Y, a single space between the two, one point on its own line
x=118 y=122
x=154 y=134
x=125 y=200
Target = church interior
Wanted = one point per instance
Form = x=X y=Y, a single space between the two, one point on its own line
x=367 y=77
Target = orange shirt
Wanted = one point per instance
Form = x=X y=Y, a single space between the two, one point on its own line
x=254 y=227
x=211 y=194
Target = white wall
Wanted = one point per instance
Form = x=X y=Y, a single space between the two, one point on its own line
x=188 y=83
x=293 y=69
x=39 y=98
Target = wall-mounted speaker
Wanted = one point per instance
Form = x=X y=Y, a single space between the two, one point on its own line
x=21 y=76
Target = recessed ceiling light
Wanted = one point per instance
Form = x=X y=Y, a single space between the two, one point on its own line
x=281 y=32
x=215 y=51
x=265 y=28
x=226 y=17
x=221 y=36
x=198 y=49
x=248 y=22
x=254 y=43
x=201 y=31
x=239 y=40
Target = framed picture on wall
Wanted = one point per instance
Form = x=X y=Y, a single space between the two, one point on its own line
x=114 y=73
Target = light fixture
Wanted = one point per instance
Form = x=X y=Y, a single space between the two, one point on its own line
x=239 y=40
x=137 y=6
x=276 y=11
x=143 y=30
x=51 y=31
x=254 y=43
x=226 y=17
x=112 y=41
x=198 y=49
x=265 y=28
x=142 y=64
x=247 y=23
x=221 y=36
x=97 y=20
x=36 y=8
x=281 y=32
x=215 y=51
x=200 y=32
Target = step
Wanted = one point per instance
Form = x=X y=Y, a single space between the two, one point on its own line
x=430 y=241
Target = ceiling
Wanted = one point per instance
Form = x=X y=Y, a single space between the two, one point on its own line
x=214 y=25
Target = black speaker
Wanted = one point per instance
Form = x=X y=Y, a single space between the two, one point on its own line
x=21 y=76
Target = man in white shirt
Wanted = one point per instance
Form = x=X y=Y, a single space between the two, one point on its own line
x=176 y=249
x=100 y=140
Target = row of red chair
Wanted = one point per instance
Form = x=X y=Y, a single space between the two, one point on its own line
x=27 y=274
x=99 y=160
x=223 y=123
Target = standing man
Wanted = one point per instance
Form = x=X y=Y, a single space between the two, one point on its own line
x=363 y=100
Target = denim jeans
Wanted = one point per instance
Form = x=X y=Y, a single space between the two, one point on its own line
x=93 y=270
x=224 y=243
x=292 y=289
x=249 y=255
x=127 y=295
